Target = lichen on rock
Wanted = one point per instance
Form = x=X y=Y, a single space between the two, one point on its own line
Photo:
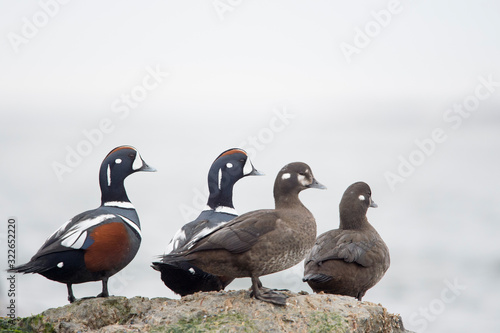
x=231 y=311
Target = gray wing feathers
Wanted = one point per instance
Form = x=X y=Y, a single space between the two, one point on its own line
x=345 y=247
x=240 y=234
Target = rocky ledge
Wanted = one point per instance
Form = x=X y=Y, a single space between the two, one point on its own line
x=232 y=311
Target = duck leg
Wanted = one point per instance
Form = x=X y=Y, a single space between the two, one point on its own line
x=104 y=288
x=266 y=294
x=264 y=289
x=71 y=297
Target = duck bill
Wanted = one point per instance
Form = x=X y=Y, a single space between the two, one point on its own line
x=373 y=204
x=249 y=169
x=316 y=184
x=146 y=167
x=255 y=172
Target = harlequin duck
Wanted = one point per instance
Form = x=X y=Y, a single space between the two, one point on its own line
x=352 y=259
x=185 y=278
x=264 y=241
x=98 y=243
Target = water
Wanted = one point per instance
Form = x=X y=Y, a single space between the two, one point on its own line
x=440 y=223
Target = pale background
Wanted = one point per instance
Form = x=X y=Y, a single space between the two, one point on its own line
x=229 y=73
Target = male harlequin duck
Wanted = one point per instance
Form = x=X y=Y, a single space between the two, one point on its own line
x=98 y=243
x=352 y=259
x=183 y=277
x=263 y=241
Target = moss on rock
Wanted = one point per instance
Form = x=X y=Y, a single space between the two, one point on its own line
x=232 y=311
x=26 y=325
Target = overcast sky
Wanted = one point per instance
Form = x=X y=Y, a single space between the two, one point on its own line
x=402 y=94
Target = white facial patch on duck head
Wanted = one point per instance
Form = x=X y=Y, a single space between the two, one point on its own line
x=247 y=168
x=303 y=179
x=285 y=176
x=60 y=265
x=118 y=160
x=229 y=165
x=137 y=162
x=362 y=197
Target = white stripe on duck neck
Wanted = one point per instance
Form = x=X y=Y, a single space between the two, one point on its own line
x=119 y=204
x=222 y=209
x=227 y=210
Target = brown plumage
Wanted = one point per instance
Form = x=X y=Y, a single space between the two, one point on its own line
x=352 y=259
x=111 y=245
x=264 y=241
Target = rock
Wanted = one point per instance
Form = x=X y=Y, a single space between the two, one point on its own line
x=232 y=311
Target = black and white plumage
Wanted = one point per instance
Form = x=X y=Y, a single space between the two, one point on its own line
x=95 y=244
x=185 y=278
x=352 y=259
x=261 y=242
